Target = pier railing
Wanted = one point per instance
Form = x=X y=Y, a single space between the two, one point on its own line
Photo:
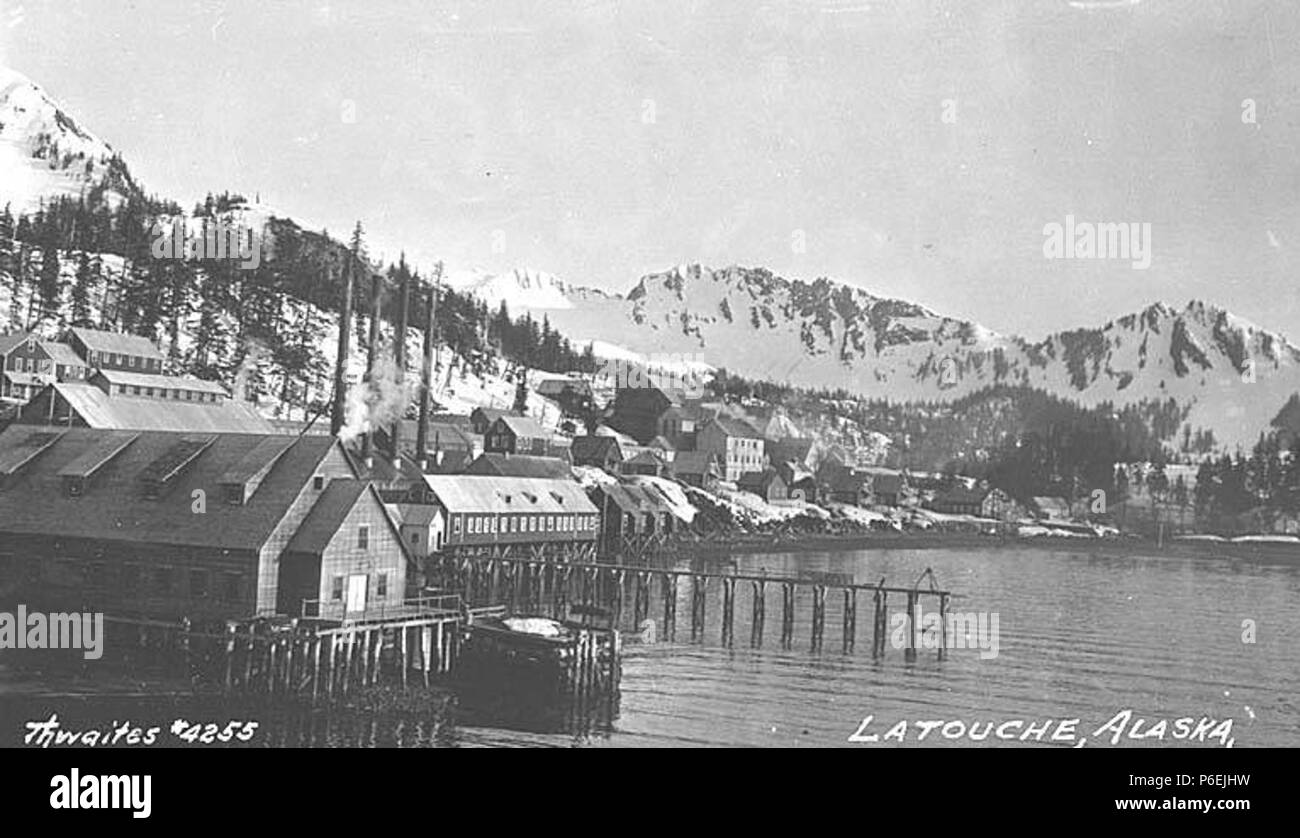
x=417 y=607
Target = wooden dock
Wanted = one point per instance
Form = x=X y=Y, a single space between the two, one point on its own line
x=550 y=588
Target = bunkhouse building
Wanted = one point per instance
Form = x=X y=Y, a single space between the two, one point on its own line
x=168 y=525
x=115 y=351
x=513 y=517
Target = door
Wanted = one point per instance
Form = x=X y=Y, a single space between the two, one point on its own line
x=356 y=602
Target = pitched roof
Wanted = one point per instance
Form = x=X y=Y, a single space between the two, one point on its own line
x=414 y=514
x=326 y=516
x=737 y=427
x=117 y=343
x=61 y=353
x=100 y=410
x=484 y=493
x=32 y=500
x=693 y=462
x=594 y=449
x=759 y=480
x=520 y=465
x=166 y=382
x=525 y=426
x=8 y=342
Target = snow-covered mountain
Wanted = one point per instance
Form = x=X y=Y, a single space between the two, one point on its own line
x=1231 y=375
x=45 y=153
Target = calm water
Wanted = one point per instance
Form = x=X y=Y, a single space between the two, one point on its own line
x=1080 y=636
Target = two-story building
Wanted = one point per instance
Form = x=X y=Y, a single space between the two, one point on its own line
x=115 y=351
x=738 y=447
x=28 y=364
x=516 y=435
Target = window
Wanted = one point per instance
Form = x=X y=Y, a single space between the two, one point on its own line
x=198 y=584
x=363 y=537
x=550 y=523
x=234 y=493
x=381 y=585
x=318 y=482
x=336 y=589
x=135 y=390
x=231 y=585
x=121 y=389
x=415 y=538
x=455 y=525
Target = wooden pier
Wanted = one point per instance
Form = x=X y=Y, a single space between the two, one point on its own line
x=550 y=588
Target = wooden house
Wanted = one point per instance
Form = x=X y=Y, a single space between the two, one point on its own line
x=843 y=484
x=647 y=461
x=801 y=484
x=766 y=484
x=696 y=468
x=602 y=452
x=960 y=500
x=483 y=418
x=516 y=435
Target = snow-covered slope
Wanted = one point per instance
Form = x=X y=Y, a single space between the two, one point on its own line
x=45 y=153
x=1232 y=375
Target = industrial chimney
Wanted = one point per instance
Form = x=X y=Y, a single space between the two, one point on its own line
x=399 y=356
x=426 y=372
x=372 y=352
x=337 y=418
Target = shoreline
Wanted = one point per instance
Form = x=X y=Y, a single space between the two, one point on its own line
x=1126 y=546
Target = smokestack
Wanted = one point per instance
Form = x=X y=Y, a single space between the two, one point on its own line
x=376 y=303
x=399 y=355
x=426 y=372
x=345 y=333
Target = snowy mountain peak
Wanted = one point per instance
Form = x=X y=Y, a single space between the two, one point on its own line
x=45 y=153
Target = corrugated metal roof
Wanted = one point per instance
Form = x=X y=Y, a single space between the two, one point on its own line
x=100 y=410
x=118 y=343
x=165 y=382
x=481 y=493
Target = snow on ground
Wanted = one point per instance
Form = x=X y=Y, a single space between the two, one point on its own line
x=677 y=500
